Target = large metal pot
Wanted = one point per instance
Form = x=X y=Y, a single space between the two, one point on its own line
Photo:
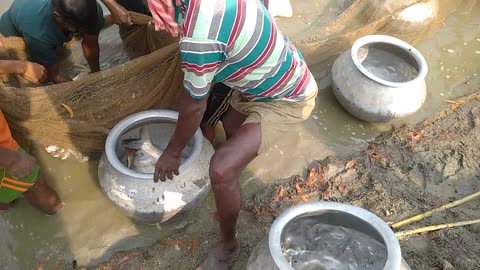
x=268 y=254
x=380 y=78
x=136 y=193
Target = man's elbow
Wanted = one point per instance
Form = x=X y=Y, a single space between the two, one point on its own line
x=194 y=106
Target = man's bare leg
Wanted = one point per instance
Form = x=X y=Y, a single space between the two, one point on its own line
x=232 y=121
x=209 y=132
x=6 y=206
x=43 y=197
x=226 y=165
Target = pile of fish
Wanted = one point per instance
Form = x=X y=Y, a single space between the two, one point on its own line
x=141 y=153
x=310 y=244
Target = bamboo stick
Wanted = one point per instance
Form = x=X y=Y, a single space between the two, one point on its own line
x=436 y=227
x=436 y=210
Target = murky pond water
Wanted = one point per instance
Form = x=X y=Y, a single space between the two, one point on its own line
x=89 y=227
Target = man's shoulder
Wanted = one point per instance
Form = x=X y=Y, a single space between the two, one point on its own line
x=33 y=19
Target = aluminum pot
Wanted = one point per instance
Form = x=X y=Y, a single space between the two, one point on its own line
x=136 y=193
x=380 y=78
x=268 y=254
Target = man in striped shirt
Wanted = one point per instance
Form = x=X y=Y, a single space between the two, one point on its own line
x=236 y=43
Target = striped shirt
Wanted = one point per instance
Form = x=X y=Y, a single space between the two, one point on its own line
x=237 y=42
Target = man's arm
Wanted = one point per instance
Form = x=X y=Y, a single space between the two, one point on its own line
x=120 y=15
x=11 y=67
x=33 y=72
x=189 y=118
x=91 y=51
x=56 y=76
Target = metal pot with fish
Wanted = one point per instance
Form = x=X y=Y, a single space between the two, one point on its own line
x=380 y=78
x=327 y=235
x=126 y=168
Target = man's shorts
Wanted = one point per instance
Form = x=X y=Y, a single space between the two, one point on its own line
x=217 y=104
x=10 y=187
x=276 y=117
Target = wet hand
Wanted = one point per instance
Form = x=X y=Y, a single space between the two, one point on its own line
x=120 y=15
x=33 y=72
x=22 y=166
x=167 y=165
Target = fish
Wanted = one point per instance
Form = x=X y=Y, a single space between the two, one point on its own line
x=143 y=143
x=141 y=154
x=142 y=162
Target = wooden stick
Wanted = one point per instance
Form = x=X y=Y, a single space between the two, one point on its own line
x=436 y=210
x=436 y=227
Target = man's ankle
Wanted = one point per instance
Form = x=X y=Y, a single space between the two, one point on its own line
x=230 y=245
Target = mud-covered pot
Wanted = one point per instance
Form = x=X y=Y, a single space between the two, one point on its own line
x=268 y=254
x=136 y=193
x=380 y=78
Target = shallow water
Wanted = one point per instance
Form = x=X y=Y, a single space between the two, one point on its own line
x=310 y=244
x=89 y=227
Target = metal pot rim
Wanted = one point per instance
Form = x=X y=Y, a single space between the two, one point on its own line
x=421 y=62
x=394 y=257
x=133 y=119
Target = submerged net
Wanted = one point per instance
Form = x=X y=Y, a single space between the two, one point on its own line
x=76 y=117
x=409 y=20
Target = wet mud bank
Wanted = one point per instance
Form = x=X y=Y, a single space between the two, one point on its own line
x=410 y=170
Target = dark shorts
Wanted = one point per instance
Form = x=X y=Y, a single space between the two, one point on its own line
x=139 y=6
x=218 y=104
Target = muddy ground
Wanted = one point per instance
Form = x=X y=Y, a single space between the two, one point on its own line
x=402 y=173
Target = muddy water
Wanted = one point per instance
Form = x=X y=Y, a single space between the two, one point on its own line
x=312 y=244
x=89 y=227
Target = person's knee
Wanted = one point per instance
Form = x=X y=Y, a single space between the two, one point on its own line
x=220 y=171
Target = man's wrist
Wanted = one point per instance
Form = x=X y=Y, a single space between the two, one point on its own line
x=173 y=151
x=19 y=67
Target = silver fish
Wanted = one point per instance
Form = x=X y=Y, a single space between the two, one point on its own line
x=143 y=143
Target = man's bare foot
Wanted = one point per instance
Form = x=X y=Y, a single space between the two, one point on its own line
x=43 y=197
x=221 y=257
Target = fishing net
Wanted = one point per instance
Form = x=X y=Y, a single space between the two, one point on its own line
x=343 y=22
x=76 y=117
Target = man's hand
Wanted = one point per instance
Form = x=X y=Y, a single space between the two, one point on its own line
x=22 y=166
x=56 y=76
x=120 y=15
x=189 y=118
x=167 y=165
x=33 y=72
